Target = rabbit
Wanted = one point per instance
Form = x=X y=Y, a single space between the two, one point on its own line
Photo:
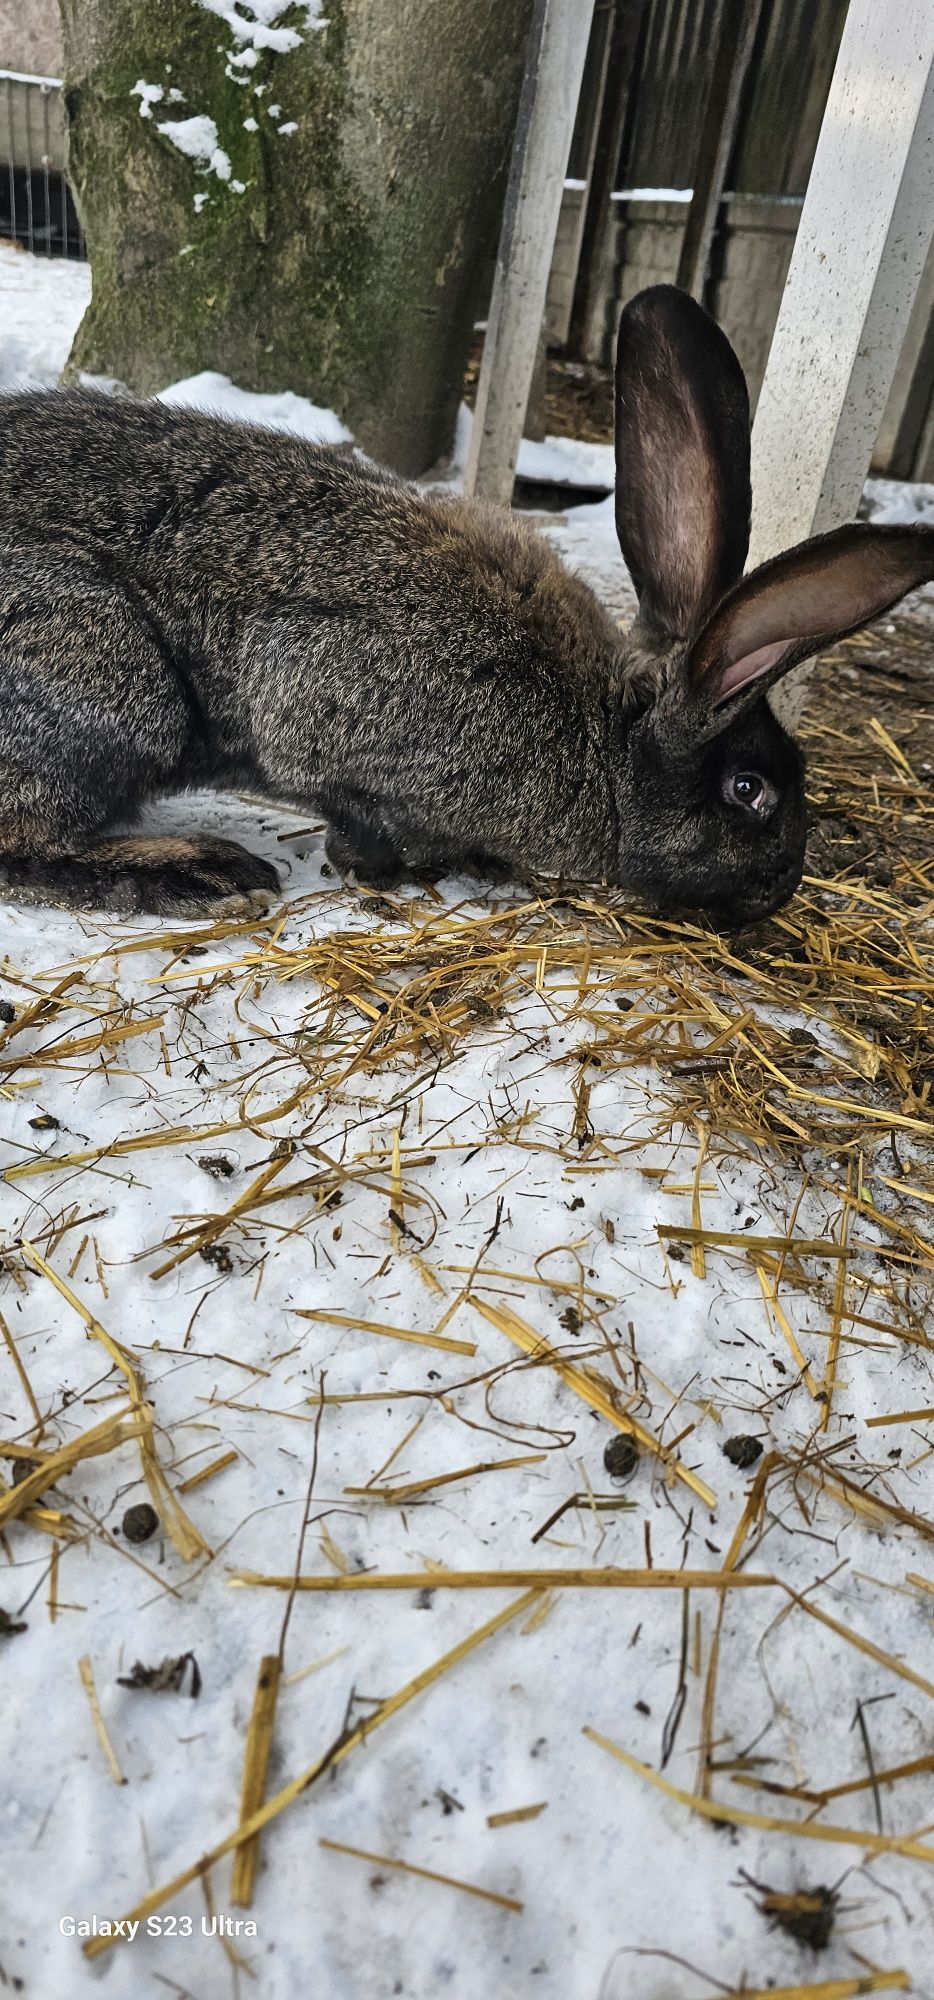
x=187 y=601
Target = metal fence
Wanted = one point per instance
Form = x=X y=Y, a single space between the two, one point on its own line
x=36 y=206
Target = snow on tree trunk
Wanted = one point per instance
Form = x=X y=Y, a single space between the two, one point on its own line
x=300 y=196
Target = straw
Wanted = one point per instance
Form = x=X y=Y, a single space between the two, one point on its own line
x=181 y=1531
x=86 y=1671
x=426 y=1874
x=512 y=1579
x=713 y=1809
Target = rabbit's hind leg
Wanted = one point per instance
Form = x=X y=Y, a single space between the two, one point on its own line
x=168 y=876
x=94 y=720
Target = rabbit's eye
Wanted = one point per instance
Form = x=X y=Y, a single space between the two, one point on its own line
x=750 y=790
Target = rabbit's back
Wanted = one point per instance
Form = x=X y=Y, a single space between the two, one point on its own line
x=217 y=519
x=111 y=472
x=332 y=632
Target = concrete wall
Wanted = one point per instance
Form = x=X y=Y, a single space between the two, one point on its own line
x=750 y=262
x=30 y=37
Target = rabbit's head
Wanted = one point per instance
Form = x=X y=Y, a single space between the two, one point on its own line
x=711 y=787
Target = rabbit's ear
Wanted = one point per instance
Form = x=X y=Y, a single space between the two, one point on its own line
x=682 y=459
x=794 y=606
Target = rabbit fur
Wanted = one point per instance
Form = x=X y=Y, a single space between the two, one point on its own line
x=186 y=601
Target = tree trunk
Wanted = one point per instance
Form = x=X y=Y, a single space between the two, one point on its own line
x=319 y=213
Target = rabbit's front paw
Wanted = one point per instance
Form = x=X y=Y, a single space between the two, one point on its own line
x=366 y=853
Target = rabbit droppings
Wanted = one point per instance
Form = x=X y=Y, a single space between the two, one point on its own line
x=186 y=601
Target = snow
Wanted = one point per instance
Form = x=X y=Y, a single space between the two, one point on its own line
x=256 y=26
x=197 y=138
x=653 y=194
x=609 y=1869
x=41 y=305
x=567 y=461
x=559 y=461
x=283 y=412
x=148 y=94
x=253 y=26
x=887 y=501
x=42 y=301
x=26 y=76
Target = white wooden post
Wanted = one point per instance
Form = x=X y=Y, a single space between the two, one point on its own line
x=864 y=234
x=555 y=56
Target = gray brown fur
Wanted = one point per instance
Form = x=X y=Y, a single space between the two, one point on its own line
x=189 y=602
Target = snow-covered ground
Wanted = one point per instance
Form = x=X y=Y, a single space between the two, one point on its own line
x=890 y=500
x=464 y=1174
x=41 y=304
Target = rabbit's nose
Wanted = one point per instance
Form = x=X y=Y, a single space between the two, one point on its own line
x=755 y=908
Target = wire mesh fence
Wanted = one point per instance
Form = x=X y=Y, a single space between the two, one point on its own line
x=37 y=210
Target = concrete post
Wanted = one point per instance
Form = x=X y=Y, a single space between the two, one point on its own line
x=554 y=67
x=864 y=235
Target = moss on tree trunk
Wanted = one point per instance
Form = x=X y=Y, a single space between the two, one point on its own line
x=329 y=232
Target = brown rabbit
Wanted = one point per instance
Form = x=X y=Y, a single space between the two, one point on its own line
x=186 y=601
